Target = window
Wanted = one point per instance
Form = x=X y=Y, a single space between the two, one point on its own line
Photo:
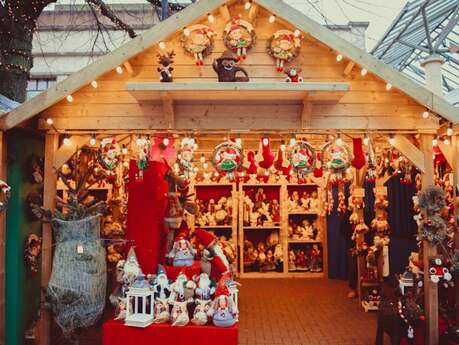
x=37 y=85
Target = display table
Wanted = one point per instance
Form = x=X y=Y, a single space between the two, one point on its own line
x=115 y=333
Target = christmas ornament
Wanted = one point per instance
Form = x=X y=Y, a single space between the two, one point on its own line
x=224 y=313
x=32 y=252
x=438 y=271
x=185 y=157
x=143 y=153
x=359 y=157
x=165 y=68
x=265 y=156
x=109 y=153
x=179 y=313
x=226 y=68
x=251 y=164
x=302 y=157
x=239 y=36
x=198 y=41
x=202 y=311
x=182 y=253
x=5 y=194
x=431 y=201
x=284 y=46
x=161 y=310
x=336 y=159
x=227 y=158
x=293 y=75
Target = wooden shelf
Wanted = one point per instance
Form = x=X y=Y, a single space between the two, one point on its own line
x=303 y=213
x=271 y=274
x=268 y=92
x=213 y=226
x=303 y=241
x=261 y=227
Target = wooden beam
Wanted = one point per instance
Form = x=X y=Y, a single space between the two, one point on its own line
x=429 y=250
x=129 y=68
x=411 y=152
x=108 y=63
x=422 y=95
x=306 y=114
x=225 y=13
x=455 y=169
x=348 y=69
x=168 y=109
x=65 y=152
x=3 y=176
x=448 y=152
x=253 y=13
x=49 y=201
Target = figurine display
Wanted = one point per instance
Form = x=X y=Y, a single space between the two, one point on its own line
x=239 y=36
x=165 y=68
x=305 y=258
x=182 y=253
x=265 y=257
x=307 y=203
x=211 y=213
x=258 y=211
x=224 y=313
x=179 y=314
x=303 y=230
x=202 y=312
x=226 y=68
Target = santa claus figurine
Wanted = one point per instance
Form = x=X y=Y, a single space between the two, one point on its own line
x=213 y=253
x=182 y=252
x=223 y=310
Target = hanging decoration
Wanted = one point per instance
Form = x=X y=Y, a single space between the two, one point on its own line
x=109 y=153
x=432 y=227
x=227 y=158
x=185 y=156
x=371 y=173
x=336 y=158
x=143 y=153
x=265 y=157
x=302 y=157
x=5 y=194
x=197 y=40
x=32 y=252
x=284 y=46
x=239 y=36
x=359 y=157
x=165 y=68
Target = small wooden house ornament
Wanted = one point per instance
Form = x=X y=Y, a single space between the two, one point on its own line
x=284 y=46
x=239 y=36
x=197 y=40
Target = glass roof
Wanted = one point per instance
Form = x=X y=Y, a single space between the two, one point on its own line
x=422 y=28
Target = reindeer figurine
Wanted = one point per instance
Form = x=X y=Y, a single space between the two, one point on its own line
x=165 y=70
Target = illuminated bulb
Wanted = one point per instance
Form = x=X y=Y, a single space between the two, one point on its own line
x=386 y=160
x=206 y=175
x=92 y=141
x=216 y=174
x=366 y=140
x=238 y=141
x=425 y=115
x=247 y=5
x=348 y=170
x=446 y=141
x=296 y=33
x=49 y=121
x=290 y=172
x=434 y=142
x=210 y=18
x=205 y=165
x=70 y=98
x=391 y=140
x=266 y=173
x=124 y=150
x=449 y=131
x=292 y=142
x=339 y=57
x=388 y=86
x=265 y=141
x=66 y=141
x=272 y=18
x=202 y=159
x=94 y=84
x=186 y=32
x=364 y=72
x=339 y=141
x=119 y=70
x=176 y=166
x=162 y=45
x=166 y=141
x=243 y=173
x=65 y=166
x=195 y=169
x=283 y=147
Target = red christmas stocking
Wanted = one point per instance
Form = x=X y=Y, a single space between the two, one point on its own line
x=359 y=157
x=318 y=169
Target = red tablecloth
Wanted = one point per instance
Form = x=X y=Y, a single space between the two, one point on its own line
x=115 y=333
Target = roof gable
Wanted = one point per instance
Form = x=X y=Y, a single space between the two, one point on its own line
x=200 y=9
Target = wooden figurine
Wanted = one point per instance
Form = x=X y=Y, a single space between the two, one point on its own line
x=165 y=70
x=226 y=68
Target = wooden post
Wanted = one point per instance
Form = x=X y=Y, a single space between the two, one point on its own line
x=430 y=288
x=49 y=201
x=3 y=167
x=455 y=167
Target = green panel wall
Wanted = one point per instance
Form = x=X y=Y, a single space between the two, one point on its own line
x=22 y=289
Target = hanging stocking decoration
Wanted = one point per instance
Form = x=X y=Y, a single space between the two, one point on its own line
x=265 y=157
x=359 y=157
x=239 y=36
x=251 y=164
x=318 y=169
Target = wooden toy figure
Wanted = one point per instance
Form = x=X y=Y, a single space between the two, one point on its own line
x=165 y=70
x=226 y=68
x=293 y=75
x=239 y=36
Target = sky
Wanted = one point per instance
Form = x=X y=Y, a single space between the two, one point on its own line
x=380 y=13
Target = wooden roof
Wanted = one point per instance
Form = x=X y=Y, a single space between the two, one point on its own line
x=200 y=9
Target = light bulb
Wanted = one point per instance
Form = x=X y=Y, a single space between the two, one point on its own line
x=119 y=70
x=366 y=140
x=388 y=86
x=70 y=98
x=391 y=140
x=65 y=167
x=425 y=115
x=364 y=72
x=186 y=32
x=272 y=18
x=283 y=147
x=216 y=174
x=206 y=175
x=210 y=18
x=339 y=57
x=247 y=5
x=266 y=172
x=66 y=141
x=205 y=165
x=296 y=33
x=92 y=141
x=434 y=142
x=449 y=132
x=292 y=142
x=49 y=121
x=265 y=141
x=166 y=141
x=238 y=142
x=162 y=45
x=94 y=84
x=446 y=141
x=124 y=150
x=195 y=169
x=243 y=174
x=203 y=158
x=339 y=141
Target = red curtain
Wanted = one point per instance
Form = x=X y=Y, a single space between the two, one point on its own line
x=146 y=207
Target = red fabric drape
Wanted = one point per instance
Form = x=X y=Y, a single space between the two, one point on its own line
x=145 y=220
x=115 y=333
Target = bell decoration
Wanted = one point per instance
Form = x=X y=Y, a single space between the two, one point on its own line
x=284 y=46
x=197 y=40
x=239 y=36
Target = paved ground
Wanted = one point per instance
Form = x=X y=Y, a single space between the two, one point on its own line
x=302 y=312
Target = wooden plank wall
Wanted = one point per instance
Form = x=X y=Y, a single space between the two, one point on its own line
x=366 y=105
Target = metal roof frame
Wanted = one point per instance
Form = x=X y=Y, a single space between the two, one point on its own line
x=423 y=28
